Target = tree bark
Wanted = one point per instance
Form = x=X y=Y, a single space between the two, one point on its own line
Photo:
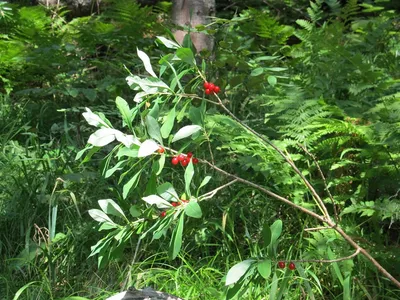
x=191 y=13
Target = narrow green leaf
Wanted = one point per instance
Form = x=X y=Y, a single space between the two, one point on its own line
x=335 y=266
x=185 y=132
x=168 y=124
x=274 y=287
x=203 y=183
x=347 y=288
x=176 y=241
x=117 y=167
x=267 y=235
x=132 y=183
x=188 y=177
x=111 y=208
x=167 y=192
x=124 y=110
x=161 y=163
x=257 y=72
x=276 y=230
x=238 y=271
x=99 y=216
x=146 y=62
x=22 y=289
x=153 y=128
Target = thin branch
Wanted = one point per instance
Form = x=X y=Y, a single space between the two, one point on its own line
x=287 y=159
x=317 y=228
x=212 y=193
x=327 y=261
x=329 y=222
x=266 y=191
x=323 y=179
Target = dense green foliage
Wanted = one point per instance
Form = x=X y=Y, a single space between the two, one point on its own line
x=319 y=80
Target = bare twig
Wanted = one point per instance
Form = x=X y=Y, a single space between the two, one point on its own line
x=285 y=157
x=329 y=222
x=317 y=228
x=212 y=193
x=327 y=261
x=323 y=179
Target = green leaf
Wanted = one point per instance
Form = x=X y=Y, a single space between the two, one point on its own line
x=99 y=216
x=193 y=209
x=158 y=201
x=161 y=163
x=146 y=62
x=90 y=94
x=238 y=271
x=186 y=55
x=335 y=266
x=124 y=110
x=189 y=172
x=186 y=131
x=132 y=183
x=147 y=148
x=274 y=287
x=117 y=167
x=176 y=241
x=167 y=192
x=22 y=289
x=203 y=183
x=129 y=152
x=257 y=72
x=272 y=80
x=267 y=235
x=276 y=230
x=134 y=211
x=111 y=208
x=168 y=43
x=153 y=128
x=264 y=268
x=168 y=124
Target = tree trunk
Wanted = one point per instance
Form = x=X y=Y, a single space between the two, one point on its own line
x=191 y=13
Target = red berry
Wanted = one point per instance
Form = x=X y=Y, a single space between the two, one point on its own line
x=211 y=86
x=195 y=160
x=161 y=149
x=281 y=264
x=217 y=89
x=175 y=160
x=208 y=91
x=206 y=85
x=292 y=266
x=181 y=157
x=163 y=214
x=189 y=154
x=184 y=162
x=175 y=204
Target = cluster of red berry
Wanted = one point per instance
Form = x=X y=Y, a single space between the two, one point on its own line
x=184 y=159
x=291 y=266
x=211 y=88
x=174 y=204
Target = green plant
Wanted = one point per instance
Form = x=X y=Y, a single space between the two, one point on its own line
x=155 y=90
